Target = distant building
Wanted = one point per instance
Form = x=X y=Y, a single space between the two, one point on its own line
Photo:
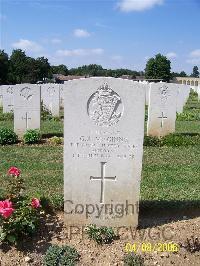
x=187 y=81
x=127 y=77
x=140 y=78
x=59 y=78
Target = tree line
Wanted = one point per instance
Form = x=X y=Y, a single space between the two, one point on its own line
x=20 y=68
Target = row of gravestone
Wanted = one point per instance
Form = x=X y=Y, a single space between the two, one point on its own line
x=25 y=101
x=51 y=95
x=163 y=101
x=103 y=141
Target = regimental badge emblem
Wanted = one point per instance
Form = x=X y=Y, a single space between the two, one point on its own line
x=10 y=90
x=26 y=93
x=51 y=91
x=105 y=107
x=164 y=91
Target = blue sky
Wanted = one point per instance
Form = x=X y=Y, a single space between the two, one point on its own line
x=113 y=33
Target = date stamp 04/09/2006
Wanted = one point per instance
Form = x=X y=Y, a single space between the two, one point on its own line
x=152 y=247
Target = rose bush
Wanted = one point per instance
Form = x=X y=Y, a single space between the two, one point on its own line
x=35 y=203
x=6 y=209
x=14 y=171
x=19 y=214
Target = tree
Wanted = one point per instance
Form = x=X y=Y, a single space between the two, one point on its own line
x=176 y=74
x=43 y=68
x=91 y=70
x=17 y=67
x=61 y=69
x=4 y=64
x=31 y=71
x=98 y=70
x=195 y=72
x=150 y=70
x=183 y=74
x=24 y=69
x=158 y=68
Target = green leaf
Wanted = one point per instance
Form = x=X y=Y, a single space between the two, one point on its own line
x=11 y=238
x=2 y=234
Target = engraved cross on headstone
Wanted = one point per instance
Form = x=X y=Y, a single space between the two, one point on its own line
x=26 y=118
x=162 y=117
x=103 y=178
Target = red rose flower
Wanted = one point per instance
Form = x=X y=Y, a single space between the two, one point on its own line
x=14 y=171
x=6 y=208
x=35 y=203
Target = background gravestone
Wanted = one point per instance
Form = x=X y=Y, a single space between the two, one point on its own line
x=51 y=98
x=162 y=109
x=61 y=96
x=183 y=92
x=146 y=84
x=198 y=91
x=1 y=97
x=27 y=103
x=8 y=98
x=180 y=100
x=186 y=92
x=103 y=147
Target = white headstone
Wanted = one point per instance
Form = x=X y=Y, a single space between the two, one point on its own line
x=162 y=109
x=186 y=93
x=61 y=96
x=198 y=91
x=180 y=100
x=182 y=96
x=193 y=88
x=8 y=98
x=51 y=98
x=146 y=85
x=1 y=97
x=27 y=103
x=103 y=148
x=147 y=88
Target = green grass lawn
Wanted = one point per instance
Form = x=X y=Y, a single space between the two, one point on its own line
x=188 y=127
x=169 y=173
x=50 y=127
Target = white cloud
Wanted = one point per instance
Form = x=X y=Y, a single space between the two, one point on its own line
x=80 y=52
x=101 y=25
x=195 y=53
x=2 y=17
x=81 y=33
x=56 y=41
x=97 y=51
x=194 y=57
x=193 y=61
x=27 y=45
x=138 y=5
x=116 y=58
x=171 y=55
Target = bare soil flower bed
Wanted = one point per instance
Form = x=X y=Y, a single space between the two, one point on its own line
x=53 y=231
